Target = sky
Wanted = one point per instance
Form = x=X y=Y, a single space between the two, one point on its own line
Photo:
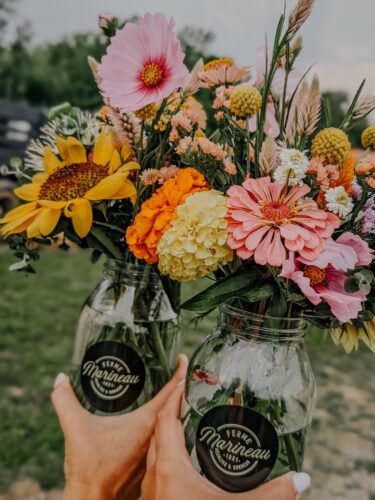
x=339 y=37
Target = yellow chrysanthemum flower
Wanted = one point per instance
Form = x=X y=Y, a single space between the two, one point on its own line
x=350 y=336
x=245 y=101
x=368 y=137
x=332 y=144
x=195 y=245
x=70 y=183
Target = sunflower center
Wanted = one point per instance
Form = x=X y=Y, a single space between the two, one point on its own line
x=276 y=212
x=315 y=274
x=72 y=181
x=152 y=74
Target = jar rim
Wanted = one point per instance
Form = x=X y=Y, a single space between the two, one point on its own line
x=131 y=271
x=262 y=326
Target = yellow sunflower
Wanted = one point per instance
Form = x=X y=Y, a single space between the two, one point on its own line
x=71 y=181
x=349 y=336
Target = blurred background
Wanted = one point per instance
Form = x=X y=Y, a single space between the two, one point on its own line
x=44 y=46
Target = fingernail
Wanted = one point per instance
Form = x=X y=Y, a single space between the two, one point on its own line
x=184 y=357
x=181 y=382
x=60 y=378
x=301 y=481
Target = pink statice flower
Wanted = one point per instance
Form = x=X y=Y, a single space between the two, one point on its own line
x=265 y=221
x=229 y=167
x=211 y=148
x=167 y=172
x=324 y=173
x=143 y=64
x=323 y=279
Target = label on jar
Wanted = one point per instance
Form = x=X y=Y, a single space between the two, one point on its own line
x=236 y=447
x=112 y=376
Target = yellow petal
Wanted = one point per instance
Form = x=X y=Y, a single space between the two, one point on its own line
x=115 y=162
x=76 y=151
x=106 y=188
x=40 y=178
x=71 y=150
x=51 y=162
x=131 y=165
x=48 y=219
x=126 y=153
x=80 y=211
x=103 y=149
x=18 y=212
x=20 y=224
x=28 y=192
x=127 y=190
x=52 y=204
x=33 y=229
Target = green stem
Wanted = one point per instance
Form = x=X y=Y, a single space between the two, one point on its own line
x=106 y=242
x=292 y=453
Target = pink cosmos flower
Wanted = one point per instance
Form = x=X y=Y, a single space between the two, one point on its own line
x=323 y=279
x=143 y=64
x=265 y=221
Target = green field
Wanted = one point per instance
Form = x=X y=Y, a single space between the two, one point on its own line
x=38 y=314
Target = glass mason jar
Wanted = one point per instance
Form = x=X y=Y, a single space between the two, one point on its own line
x=250 y=394
x=127 y=340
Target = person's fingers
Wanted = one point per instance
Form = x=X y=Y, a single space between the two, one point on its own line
x=66 y=404
x=286 y=487
x=159 y=400
x=151 y=454
x=169 y=434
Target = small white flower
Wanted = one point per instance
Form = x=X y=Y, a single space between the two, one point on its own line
x=294 y=157
x=338 y=201
x=291 y=174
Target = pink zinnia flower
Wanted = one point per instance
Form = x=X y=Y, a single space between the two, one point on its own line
x=265 y=220
x=223 y=75
x=143 y=64
x=323 y=279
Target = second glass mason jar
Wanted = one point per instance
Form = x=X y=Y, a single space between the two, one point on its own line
x=127 y=340
x=250 y=394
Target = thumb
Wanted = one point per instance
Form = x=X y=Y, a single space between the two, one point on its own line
x=286 y=487
x=66 y=404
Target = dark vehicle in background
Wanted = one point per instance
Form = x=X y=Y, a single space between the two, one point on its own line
x=18 y=124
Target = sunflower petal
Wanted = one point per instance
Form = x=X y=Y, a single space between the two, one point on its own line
x=115 y=162
x=131 y=165
x=52 y=204
x=51 y=162
x=126 y=153
x=33 y=229
x=107 y=187
x=18 y=212
x=103 y=149
x=127 y=190
x=48 y=219
x=40 y=178
x=20 y=224
x=76 y=152
x=81 y=214
x=28 y=192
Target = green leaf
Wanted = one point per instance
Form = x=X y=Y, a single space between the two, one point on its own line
x=278 y=307
x=243 y=284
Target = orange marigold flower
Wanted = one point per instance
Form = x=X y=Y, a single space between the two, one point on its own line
x=345 y=179
x=157 y=213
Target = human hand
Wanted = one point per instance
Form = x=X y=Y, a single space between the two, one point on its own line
x=105 y=457
x=170 y=474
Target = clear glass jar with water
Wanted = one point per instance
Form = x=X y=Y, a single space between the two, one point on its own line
x=250 y=394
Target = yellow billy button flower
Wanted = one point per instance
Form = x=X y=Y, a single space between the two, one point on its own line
x=368 y=137
x=332 y=144
x=72 y=181
x=245 y=101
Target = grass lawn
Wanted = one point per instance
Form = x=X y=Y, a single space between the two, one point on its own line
x=38 y=314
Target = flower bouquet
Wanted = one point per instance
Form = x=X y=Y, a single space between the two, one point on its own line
x=270 y=205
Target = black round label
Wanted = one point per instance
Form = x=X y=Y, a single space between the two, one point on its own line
x=236 y=447
x=112 y=376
